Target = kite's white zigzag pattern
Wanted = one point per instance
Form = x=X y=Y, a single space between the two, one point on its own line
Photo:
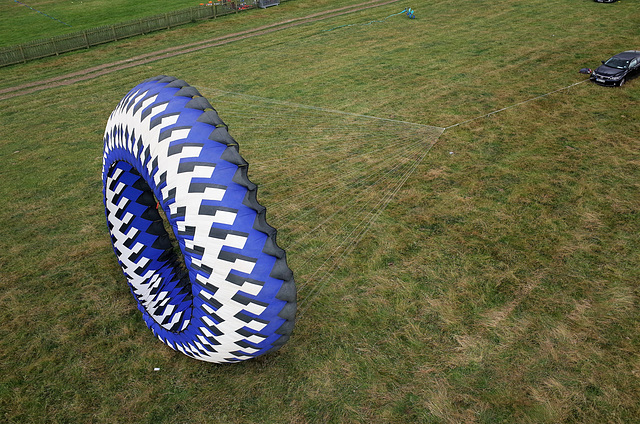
x=163 y=138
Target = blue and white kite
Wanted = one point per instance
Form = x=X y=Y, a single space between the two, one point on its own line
x=227 y=294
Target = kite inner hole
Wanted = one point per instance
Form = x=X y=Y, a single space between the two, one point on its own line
x=149 y=252
x=175 y=246
x=166 y=237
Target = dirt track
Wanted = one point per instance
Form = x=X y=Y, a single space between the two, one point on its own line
x=107 y=68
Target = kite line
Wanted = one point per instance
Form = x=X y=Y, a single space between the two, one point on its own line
x=42 y=13
x=411 y=14
x=337 y=175
x=516 y=104
x=343 y=170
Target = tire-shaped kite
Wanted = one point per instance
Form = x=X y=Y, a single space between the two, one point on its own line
x=232 y=296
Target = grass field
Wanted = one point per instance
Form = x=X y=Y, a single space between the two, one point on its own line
x=32 y=20
x=496 y=281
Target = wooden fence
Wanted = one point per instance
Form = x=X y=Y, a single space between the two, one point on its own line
x=84 y=39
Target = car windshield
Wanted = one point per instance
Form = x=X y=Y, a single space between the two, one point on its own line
x=618 y=63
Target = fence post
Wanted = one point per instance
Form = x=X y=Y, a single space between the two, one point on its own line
x=113 y=30
x=166 y=16
x=24 y=58
x=86 y=39
x=55 y=47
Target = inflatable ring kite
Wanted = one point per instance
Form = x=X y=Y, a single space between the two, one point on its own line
x=232 y=296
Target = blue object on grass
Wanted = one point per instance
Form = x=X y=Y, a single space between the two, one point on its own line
x=232 y=296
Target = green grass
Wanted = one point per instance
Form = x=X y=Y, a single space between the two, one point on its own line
x=500 y=285
x=35 y=19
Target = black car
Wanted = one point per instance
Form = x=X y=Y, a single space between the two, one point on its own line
x=605 y=1
x=618 y=69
